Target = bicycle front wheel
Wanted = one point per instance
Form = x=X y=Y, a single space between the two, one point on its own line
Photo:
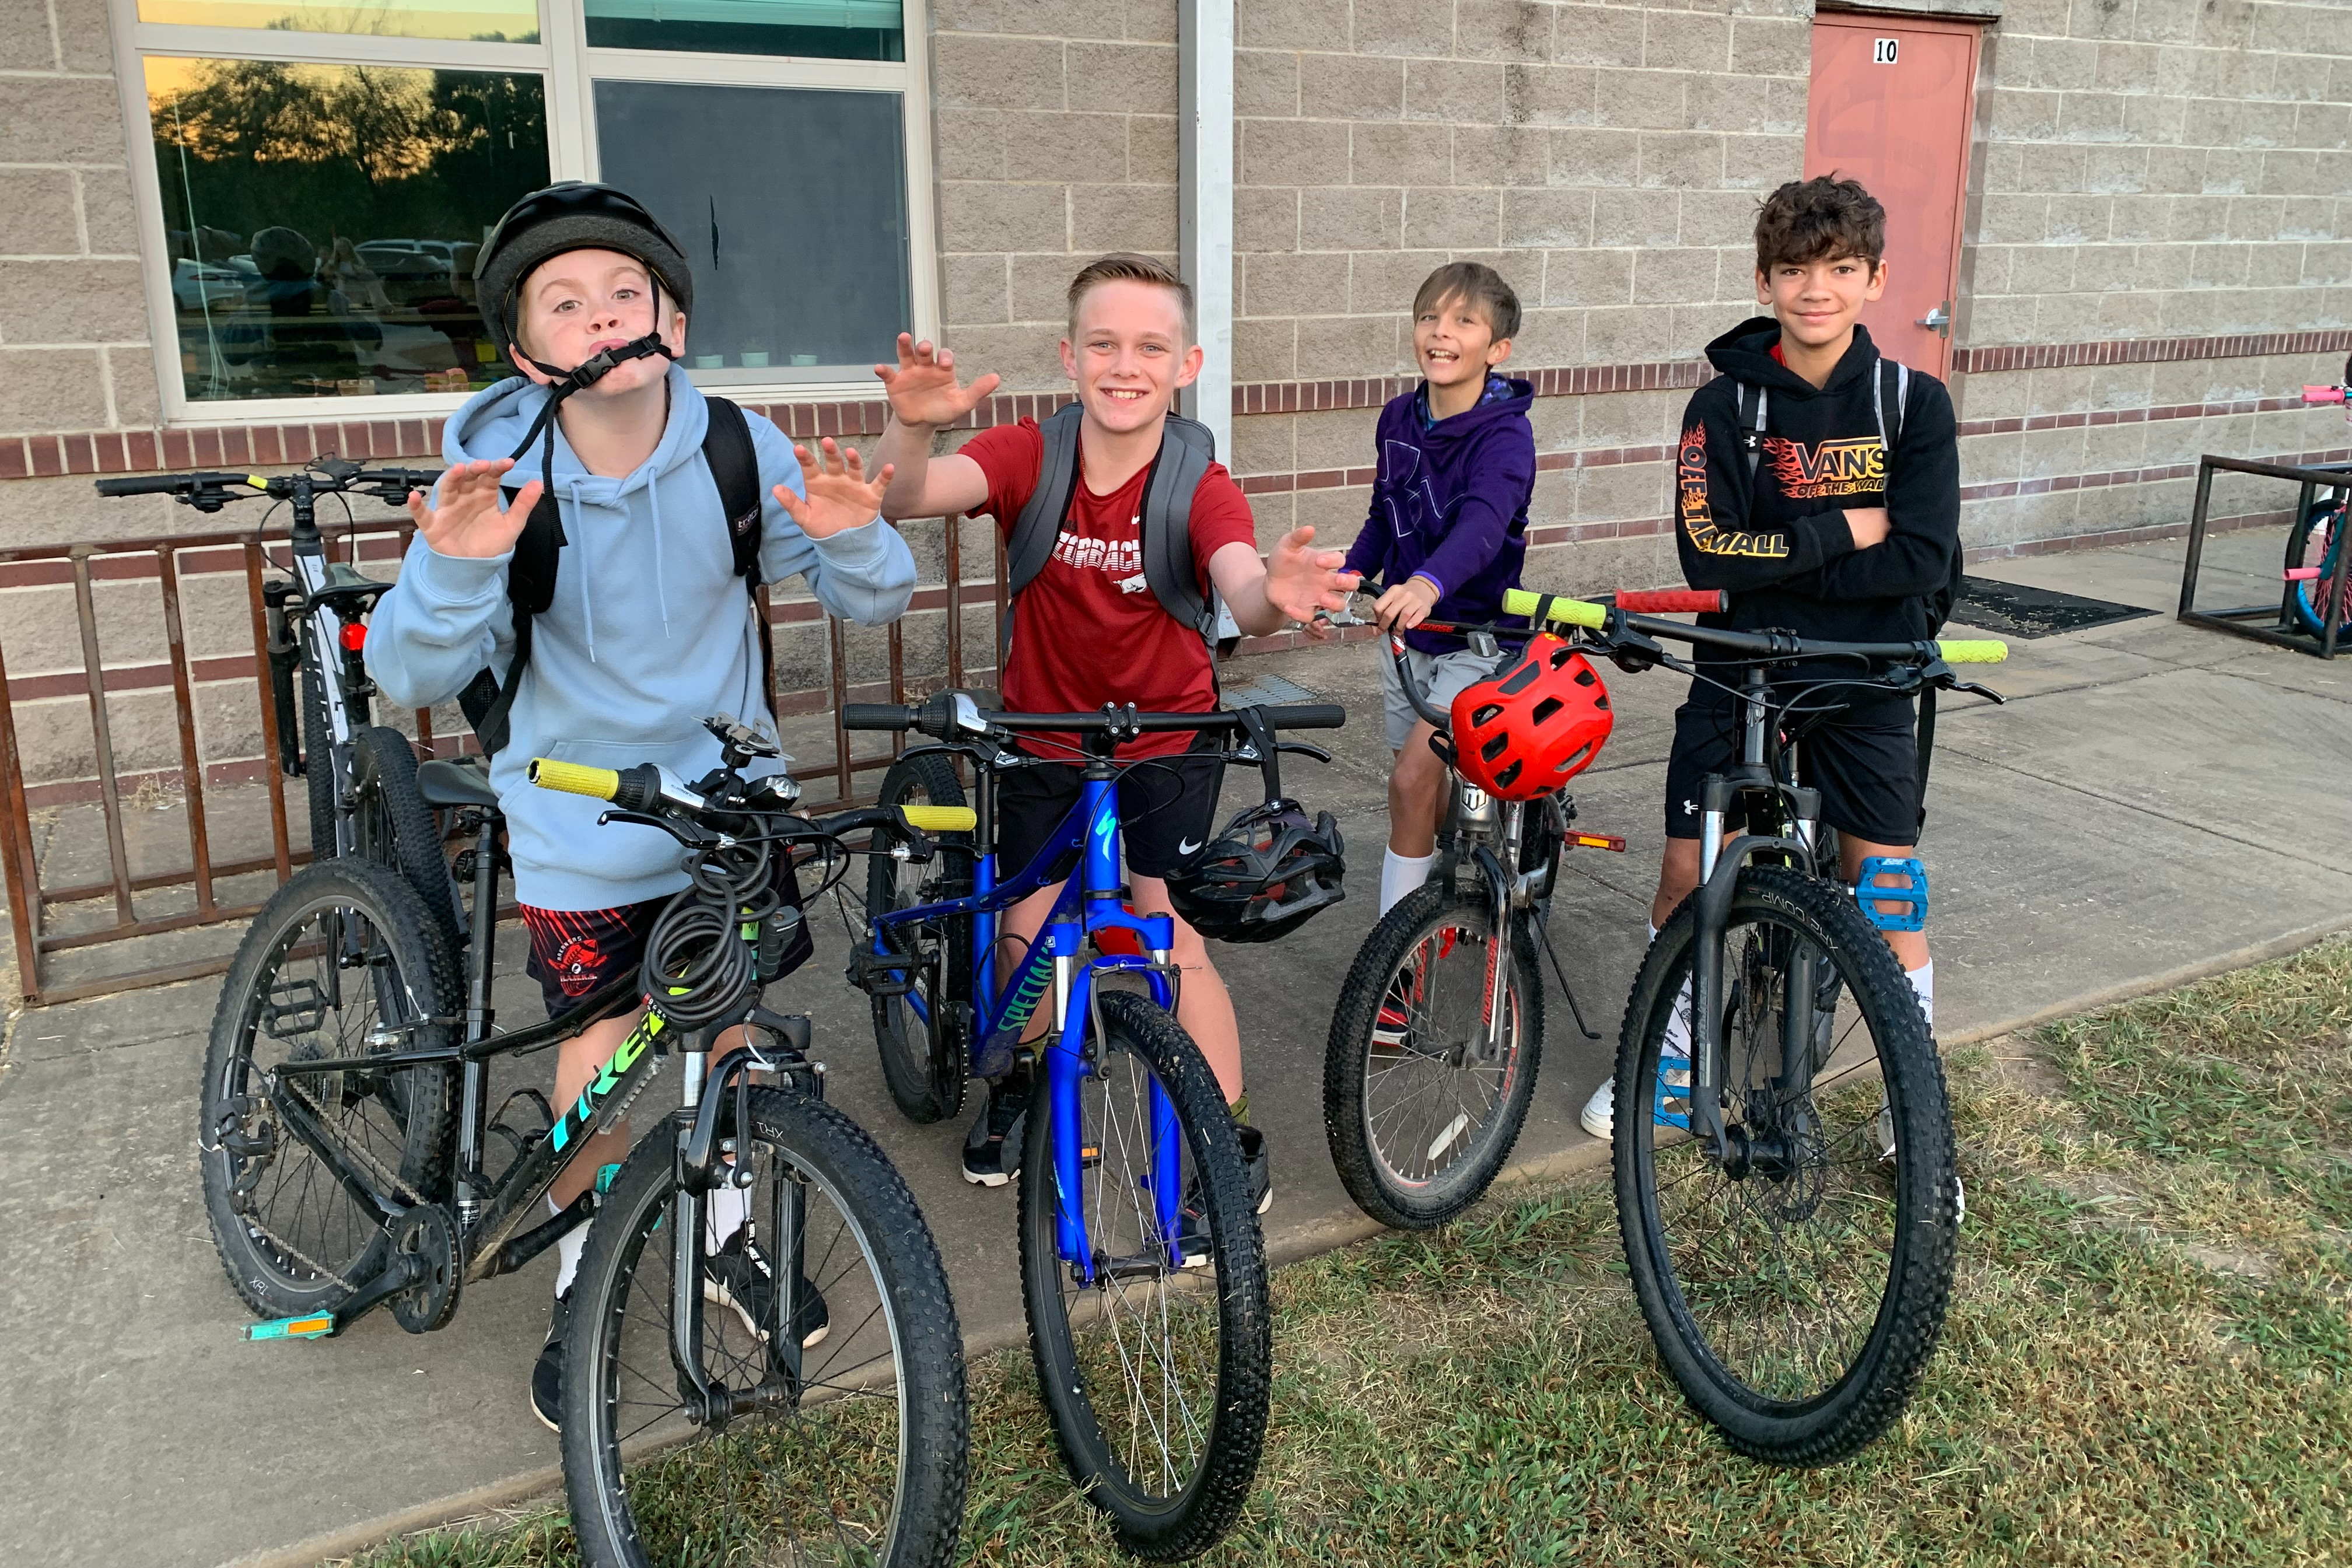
x=1795 y=1278
x=340 y=965
x=1155 y=1372
x=2319 y=544
x=836 y=1429
x=1419 y=1108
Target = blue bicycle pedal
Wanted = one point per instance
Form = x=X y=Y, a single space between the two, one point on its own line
x=309 y=1326
x=1911 y=892
x=1662 y=1092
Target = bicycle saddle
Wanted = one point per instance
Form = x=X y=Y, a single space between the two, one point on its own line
x=452 y=783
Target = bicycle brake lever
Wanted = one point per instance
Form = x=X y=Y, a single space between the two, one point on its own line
x=1973 y=690
x=684 y=833
x=1303 y=750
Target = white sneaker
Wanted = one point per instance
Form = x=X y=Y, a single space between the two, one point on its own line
x=1599 y=1113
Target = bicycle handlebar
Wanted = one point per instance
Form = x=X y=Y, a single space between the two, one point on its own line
x=324 y=479
x=175 y=484
x=1771 y=645
x=1126 y=721
x=642 y=789
x=1674 y=601
x=2319 y=394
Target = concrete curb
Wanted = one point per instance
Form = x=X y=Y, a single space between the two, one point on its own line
x=1312 y=1240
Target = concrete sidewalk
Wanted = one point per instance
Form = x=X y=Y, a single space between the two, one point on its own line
x=2141 y=807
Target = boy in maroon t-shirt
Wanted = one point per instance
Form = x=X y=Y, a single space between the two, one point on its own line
x=1088 y=630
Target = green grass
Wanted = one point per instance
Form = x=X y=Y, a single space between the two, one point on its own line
x=2148 y=1358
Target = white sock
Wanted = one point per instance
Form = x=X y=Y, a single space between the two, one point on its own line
x=1400 y=874
x=723 y=1214
x=567 y=1250
x=1922 y=981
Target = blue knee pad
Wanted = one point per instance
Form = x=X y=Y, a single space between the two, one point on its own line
x=1911 y=892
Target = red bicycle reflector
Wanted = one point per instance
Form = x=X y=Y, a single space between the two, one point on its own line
x=354 y=636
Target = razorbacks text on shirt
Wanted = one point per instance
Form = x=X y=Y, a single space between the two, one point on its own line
x=1121 y=558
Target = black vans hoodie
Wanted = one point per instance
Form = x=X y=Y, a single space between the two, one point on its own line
x=1780 y=543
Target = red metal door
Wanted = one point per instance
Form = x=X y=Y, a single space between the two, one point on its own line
x=1891 y=106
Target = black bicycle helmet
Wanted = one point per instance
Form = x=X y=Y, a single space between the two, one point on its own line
x=572 y=215
x=1268 y=873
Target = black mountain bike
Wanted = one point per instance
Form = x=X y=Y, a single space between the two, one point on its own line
x=1783 y=1152
x=360 y=777
x=349 y=1160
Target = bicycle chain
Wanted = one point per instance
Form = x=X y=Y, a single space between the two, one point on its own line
x=344 y=1275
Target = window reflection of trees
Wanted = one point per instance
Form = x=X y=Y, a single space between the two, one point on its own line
x=323 y=220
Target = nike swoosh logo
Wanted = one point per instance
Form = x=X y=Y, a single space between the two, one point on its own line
x=1185 y=847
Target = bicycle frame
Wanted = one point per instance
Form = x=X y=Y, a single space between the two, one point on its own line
x=1089 y=903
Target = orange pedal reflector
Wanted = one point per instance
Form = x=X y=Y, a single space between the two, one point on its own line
x=1609 y=841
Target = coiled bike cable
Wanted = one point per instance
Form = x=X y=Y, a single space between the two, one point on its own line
x=694 y=952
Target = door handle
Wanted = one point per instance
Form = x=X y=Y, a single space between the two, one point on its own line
x=1938 y=321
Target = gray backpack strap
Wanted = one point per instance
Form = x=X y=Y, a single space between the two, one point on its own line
x=1031 y=543
x=1186 y=451
x=1752 y=411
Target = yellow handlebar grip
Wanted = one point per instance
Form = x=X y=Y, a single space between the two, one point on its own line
x=1979 y=650
x=941 y=818
x=1568 y=612
x=597 y=784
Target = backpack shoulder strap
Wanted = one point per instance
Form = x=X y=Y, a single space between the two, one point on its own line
x=1031 y=543
x=1887 y=400
x=530 y=588
x=1186 y=451
x=1752 y=411
x=735 y=469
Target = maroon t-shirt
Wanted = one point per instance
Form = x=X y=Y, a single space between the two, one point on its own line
x=1088 y=629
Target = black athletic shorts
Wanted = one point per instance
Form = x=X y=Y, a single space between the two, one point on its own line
x=576 y=953
x=1167 y=810
x=1864 y=761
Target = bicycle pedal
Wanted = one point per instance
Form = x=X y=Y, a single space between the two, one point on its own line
x=1911 y=892
x=309 y=1326
x=1661 y=1092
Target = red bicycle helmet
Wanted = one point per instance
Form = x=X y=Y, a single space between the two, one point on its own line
x=1527 y=730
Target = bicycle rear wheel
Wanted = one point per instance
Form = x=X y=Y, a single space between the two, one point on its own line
x=923 y=1058
x=2319 y=543
x=1796 y=1280
x=318 y=781
x=1155 y=1375
x=341 y=964
x=1419 y=1115
x=848 y=1450
x=392 y=827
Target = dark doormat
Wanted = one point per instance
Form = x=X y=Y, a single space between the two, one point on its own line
x=2015 y=610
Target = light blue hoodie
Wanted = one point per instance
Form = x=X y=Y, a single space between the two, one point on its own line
x=649 y=634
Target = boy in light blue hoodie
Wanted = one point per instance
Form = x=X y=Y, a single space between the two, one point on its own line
x=649 y=629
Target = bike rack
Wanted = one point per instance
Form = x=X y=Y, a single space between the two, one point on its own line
x=2283 y=630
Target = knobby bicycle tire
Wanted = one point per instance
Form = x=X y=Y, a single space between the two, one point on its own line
x=405 y=1121
x=392 y=827
x=926 y=1083
x=1844 y=1181
x=318 y=781
x=2325 y=519
x=623 y=1286
x=1388 y=1158
x=1231 y=1409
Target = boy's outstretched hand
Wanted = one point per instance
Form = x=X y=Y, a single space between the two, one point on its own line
x=1299 y=582
x=839 y=496
x=923 y=390
x=469 y=523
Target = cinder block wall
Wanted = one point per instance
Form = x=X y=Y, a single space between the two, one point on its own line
x=1606 y=159
x=2151 y=169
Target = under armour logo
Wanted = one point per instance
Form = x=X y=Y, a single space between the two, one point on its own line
x=1690 y=808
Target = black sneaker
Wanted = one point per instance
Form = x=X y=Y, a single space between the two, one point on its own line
x=1261 y=1170
x=547 y=1372
x=738 y=1276
x=992 y=1149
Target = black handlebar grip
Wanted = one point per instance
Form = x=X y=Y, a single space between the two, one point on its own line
x=1307 y=716
x=876 y=716
x=145 y=485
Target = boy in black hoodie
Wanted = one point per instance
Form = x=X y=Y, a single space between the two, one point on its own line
x=1847 y=528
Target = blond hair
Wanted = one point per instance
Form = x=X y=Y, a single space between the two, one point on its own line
x=1126 y=267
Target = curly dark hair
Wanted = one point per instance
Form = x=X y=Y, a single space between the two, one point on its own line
x=1815 y=219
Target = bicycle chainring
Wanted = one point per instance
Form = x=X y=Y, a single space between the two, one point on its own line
x=426 y=1239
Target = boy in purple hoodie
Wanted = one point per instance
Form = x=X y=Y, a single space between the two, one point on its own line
x=1448 y=529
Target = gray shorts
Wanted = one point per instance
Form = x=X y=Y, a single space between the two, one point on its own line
x=1440 y=676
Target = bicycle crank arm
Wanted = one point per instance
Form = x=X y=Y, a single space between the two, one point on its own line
x=401 y=1273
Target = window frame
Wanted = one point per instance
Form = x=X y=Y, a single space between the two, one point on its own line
x=570 y=69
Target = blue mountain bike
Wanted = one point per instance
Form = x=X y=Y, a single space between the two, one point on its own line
x=1142 y=1269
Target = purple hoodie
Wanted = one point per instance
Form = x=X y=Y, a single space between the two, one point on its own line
x=1451 y=504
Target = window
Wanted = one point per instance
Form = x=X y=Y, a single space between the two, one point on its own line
x=321 y=174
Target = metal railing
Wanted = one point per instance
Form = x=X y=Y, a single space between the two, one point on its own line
x=172 y=563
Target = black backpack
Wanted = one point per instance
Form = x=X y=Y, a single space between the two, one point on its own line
x=530 y=577
x=1186 y=449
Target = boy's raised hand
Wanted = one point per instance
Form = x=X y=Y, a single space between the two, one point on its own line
x=839 y=496
x=468 y=523
x=1300 y=581
x=923 y=390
